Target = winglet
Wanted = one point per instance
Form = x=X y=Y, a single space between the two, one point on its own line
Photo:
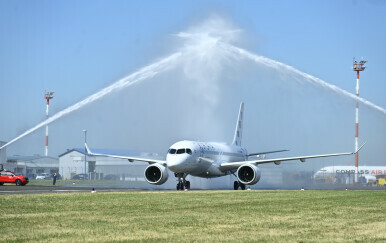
x=360 y=147
x=87 y=149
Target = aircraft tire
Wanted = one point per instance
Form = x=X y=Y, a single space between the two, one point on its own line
x=242 y=186
x=187 y=185
x=180 y=186
x=236 y=185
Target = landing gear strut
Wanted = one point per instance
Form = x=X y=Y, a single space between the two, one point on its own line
x=238 y=184
x=182 y=183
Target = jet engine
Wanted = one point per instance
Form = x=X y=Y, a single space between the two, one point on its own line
x=248 y=174
x=156 y=174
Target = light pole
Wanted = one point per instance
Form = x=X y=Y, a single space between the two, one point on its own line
x=357 y=67
x=85 y=153
x=47 y=96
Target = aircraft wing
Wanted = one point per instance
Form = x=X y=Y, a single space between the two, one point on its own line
x=268 y=152
x=130 y=158
x=234 y=165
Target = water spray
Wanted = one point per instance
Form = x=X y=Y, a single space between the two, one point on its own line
x=207 y=46
x=313 y=80
x=144 y=73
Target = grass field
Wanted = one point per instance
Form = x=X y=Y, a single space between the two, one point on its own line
x=196 y=216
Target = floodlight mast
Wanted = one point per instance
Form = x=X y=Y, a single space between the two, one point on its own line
x=47 y=96
x=357 y=67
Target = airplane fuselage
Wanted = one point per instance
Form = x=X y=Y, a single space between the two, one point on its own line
x=203 y=159
x=350 y=170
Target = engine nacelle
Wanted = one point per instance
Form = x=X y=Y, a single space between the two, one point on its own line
x=248 y=174
x=156 y=174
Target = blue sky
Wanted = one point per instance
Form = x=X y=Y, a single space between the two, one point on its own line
x=76 y=48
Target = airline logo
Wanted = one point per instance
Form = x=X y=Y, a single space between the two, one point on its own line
x=371 y=172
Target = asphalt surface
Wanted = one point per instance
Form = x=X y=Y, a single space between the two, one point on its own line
x=12 y=189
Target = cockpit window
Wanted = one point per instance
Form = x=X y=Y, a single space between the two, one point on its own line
x=181 y=151
x=172 y=151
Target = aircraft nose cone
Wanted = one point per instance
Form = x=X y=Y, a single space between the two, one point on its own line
x=175 y=163
x=172 y=167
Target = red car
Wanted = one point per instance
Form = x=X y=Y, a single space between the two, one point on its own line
x=10 y=177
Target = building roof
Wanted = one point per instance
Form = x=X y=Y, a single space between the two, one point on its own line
x=33 y=161
x=79 y=150
x=21 y=158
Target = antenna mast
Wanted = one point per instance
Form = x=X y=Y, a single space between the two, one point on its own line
x=357 y=67
x=47 y=96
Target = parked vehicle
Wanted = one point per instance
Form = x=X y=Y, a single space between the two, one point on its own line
x=43 y=176
x=10 y=177
x=111 y=177
x=80 y=177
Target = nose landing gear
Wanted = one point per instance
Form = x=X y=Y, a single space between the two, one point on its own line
x=182 y=183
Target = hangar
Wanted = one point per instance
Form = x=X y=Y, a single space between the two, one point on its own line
x=31 y=165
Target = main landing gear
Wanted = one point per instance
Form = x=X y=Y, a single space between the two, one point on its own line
x=238 y=184
x=182 y=183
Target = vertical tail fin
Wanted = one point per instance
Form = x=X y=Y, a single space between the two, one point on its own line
x=239 y=127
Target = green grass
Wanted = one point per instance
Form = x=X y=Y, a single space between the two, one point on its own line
x=195 y=216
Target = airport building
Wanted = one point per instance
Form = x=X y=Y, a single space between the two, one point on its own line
x=31 y=166
x=3 y=155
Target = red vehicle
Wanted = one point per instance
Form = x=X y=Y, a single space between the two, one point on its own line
x=10 y=177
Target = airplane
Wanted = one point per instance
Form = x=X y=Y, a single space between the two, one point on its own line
x=370 y=173
x=210 y=160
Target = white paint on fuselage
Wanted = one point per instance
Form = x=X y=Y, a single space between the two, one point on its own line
x=346 y=170
x=205 y=159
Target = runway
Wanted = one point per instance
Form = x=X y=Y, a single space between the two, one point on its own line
x=12 y=189
x=35 y=189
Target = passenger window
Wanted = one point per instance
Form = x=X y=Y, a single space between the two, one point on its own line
x=172 y=151
x=189 y=151
x=180 y=151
